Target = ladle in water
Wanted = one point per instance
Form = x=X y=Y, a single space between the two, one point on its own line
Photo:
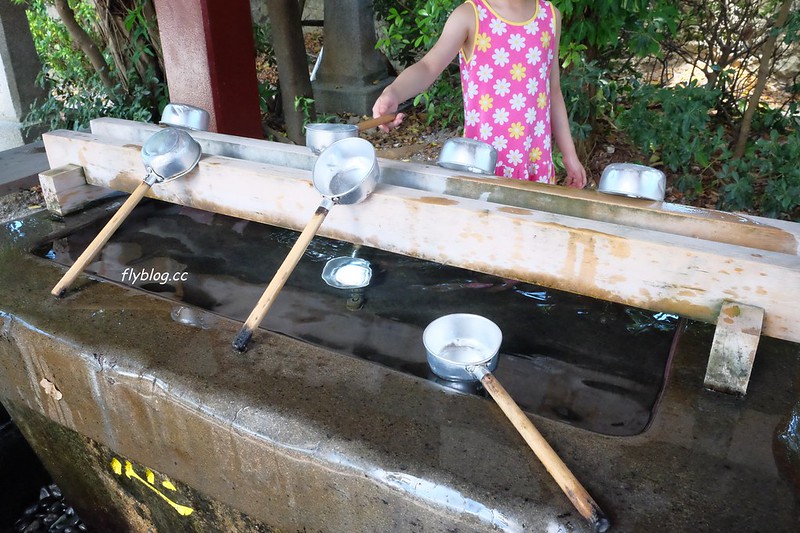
x=168 y=154
x=464 y=347
x=345 y=173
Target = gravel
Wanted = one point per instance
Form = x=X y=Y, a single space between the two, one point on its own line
x=50 y=514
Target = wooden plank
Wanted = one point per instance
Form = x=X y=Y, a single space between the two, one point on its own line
x=730 y=228
x=638 y=267
x=65 y=190
x=733 y=351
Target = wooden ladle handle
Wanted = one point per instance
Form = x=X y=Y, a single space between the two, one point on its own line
x=578 y=495
x=94 y=247
x=271 y=292
x=371 y=123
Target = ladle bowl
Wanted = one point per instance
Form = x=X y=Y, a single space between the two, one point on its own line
x=468 y=155
x=169 y=154
x=457 y=343
x=320 y=135
x=633 y=181
x=347 y=172
x=185 y=116
x=347 y=272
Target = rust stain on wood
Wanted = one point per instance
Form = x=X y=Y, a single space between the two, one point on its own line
x=514 y=210
x=437 y=200
x=732 y=311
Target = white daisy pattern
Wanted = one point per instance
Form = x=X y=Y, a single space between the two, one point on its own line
x=514 y=157
x=497 y=26
x=516 y=42
x=472 y=90
x=500 y=143
x=500 y=57
x=535 y=55
x=471 y=117
x=502 y=87
x=517 y=101
x=510 y=107
x=543 y=70
x=500 y=115
x=533 y=86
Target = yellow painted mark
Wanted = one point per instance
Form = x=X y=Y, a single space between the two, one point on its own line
x=116 y=466
x=130 y=473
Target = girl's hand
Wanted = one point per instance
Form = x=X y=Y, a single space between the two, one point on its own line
x=576 y=174
x=385 y=104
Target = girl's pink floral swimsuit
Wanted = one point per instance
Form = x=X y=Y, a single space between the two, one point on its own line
x=506 y=86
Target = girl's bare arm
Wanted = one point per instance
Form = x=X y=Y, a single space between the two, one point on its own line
x=415 y=79
x=576 y=174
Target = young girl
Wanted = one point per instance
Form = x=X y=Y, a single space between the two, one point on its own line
x=508 y=54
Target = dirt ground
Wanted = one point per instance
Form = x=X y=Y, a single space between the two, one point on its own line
x=21 y=204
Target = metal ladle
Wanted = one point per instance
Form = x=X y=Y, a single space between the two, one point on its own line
x=185 y=116
x=464 y=347
x=345 y=173
x=320 y=135
x=167 y=155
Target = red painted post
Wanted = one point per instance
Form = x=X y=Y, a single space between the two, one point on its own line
x=209 y=58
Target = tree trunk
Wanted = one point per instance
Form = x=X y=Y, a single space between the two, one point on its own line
x=81 y=39
x=290 y=56
x=128 y=46
x=763 y=74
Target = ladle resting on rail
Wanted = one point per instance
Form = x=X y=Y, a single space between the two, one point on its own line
x=345 y=173
x=167 y=155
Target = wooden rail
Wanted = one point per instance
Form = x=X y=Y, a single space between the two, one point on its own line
x=662 y=270
x=731 y=228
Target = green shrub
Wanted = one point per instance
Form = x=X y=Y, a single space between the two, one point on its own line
x=407 y=34
x=74 y=94
x=673 y=127
x=766 y=180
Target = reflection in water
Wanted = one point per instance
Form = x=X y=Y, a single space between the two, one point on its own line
x=590 y=363
x=786 y=447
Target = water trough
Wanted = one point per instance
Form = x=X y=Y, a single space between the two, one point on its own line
x=132 y=397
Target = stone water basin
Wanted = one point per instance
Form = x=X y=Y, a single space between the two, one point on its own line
x=134 y=400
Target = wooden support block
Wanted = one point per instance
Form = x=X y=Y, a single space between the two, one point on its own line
x=65 y=189
x=734 y=348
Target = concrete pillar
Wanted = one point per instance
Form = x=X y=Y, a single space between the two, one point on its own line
x=19 y=65
x=352 y=73
x=209 y=58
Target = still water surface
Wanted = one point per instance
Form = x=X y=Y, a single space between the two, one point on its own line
x=586 y=362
